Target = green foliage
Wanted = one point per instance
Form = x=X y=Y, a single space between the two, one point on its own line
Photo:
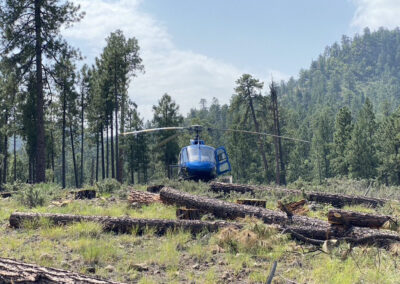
x=37 y=195
x=108 y=185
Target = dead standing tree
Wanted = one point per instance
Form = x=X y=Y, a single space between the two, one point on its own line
x=280 y=165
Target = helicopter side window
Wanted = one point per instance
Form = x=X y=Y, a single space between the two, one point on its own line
x=184 y=156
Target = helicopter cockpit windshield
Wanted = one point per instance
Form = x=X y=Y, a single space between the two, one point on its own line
x=202 y=154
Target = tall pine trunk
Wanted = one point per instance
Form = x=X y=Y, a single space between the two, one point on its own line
x=63 y=166
x=102 y=152
x=82 y=139
x=260 y=139
x=52 y=154
x=15 y=157
x=112 y=146
x=40 y=159
x=5 y=161
x=97 y=156
x=107 y=153
x=117 y=157
x=73 y=156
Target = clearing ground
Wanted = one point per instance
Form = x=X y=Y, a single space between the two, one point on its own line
x=227 y=256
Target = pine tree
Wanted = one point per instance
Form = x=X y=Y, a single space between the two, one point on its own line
x=361 y=150
x=30 y=31
x=248 y=89
x=341 y=138
x=166 y=113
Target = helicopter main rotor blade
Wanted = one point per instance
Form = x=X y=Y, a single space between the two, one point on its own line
x=153 y=130
x=260 y=133
x=165 y=141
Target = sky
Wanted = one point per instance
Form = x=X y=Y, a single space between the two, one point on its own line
x=198 y=49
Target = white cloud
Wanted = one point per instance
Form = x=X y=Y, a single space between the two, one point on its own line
x=376 y=13
x=185 y=75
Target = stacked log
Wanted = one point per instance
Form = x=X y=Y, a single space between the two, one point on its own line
x=124 y=224
x=337 y=200
x=301 y=225
x=142 y=197
x=12 y=271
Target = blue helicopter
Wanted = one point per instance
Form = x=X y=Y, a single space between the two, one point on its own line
x=197 y=161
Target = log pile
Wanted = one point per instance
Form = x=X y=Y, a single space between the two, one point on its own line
x=122 y=225
x=351 y=218
x=337 y=200
x=142 y=197
x=12 y=271
x=299 y=226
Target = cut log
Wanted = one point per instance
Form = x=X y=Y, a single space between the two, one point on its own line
x=350 y=218
x=155 y=188
x=305 y=226
x=12 y=271
x=142 y=197
x=85 y=194
x=337 y=200
x=252 y=202
x=189 y=214
x=122 y=225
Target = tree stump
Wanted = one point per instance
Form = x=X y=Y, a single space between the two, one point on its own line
x=85 y=194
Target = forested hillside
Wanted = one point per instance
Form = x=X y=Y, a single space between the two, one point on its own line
x=346 y=104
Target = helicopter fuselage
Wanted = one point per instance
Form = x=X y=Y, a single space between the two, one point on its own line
x=201 y=162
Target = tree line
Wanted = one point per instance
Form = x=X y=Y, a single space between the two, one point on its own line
x=64 y=125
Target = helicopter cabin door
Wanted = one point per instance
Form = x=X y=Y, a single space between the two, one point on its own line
x=222 y=161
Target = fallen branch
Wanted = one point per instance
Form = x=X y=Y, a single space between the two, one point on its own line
x=337 y=200
x=122 y=225
x=12 y=271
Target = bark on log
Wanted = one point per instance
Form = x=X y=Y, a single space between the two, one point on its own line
x=308 y=227
x=337 y=200
x=12 y=271
x=350 y=218
x=123 y=225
